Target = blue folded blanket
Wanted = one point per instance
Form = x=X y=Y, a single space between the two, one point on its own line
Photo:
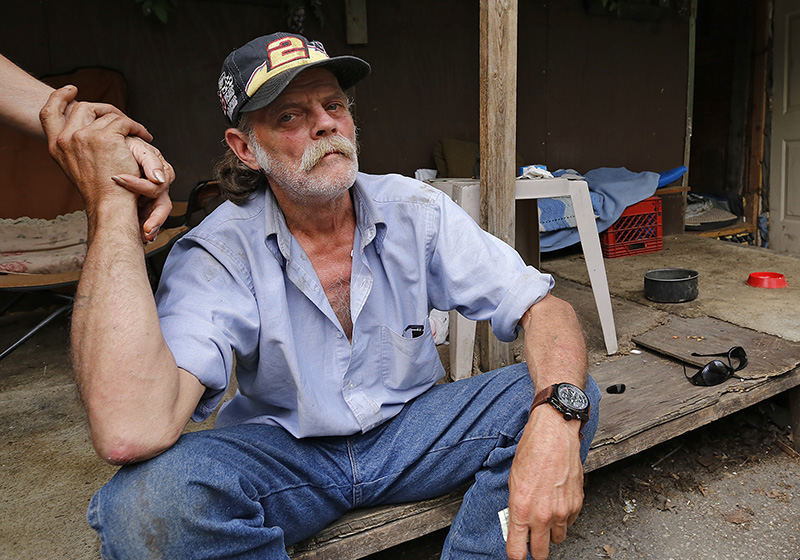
x=612 y=190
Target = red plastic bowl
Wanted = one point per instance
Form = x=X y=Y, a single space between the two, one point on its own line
x=767 y=280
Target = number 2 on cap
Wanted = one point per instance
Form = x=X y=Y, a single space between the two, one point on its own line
x=286 y=49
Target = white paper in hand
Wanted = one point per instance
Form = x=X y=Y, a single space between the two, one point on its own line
x=503 y=515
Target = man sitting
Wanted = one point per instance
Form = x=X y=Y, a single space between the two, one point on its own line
x=316 y=281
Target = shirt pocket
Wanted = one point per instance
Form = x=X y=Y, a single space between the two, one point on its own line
x=409 y=362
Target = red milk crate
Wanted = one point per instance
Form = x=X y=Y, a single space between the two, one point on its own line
x=637 y=231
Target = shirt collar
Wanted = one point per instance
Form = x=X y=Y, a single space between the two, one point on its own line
x=369 y=221
x=276 y=229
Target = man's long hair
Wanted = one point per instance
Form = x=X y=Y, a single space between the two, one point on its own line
x=237 y=181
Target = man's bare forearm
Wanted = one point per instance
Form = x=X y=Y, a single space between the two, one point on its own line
x=127 y=376
x=137 y=400
x=555 y=349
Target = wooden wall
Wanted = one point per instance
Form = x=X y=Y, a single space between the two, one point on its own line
x=592 y=90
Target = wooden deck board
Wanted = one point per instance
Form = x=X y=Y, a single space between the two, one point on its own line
x=737 y=395
x=767 y=355
x=364 y=532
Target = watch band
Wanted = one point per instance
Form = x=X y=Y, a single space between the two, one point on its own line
x=544 y=395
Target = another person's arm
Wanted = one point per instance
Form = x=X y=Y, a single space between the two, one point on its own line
x=22 y=97
x=138 y=401
x=546 y=480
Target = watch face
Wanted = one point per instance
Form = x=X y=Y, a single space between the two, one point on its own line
x=572 y=397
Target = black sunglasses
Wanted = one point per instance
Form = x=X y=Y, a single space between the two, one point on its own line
x=717 y=371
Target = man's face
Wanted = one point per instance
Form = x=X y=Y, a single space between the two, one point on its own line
x=305 y=139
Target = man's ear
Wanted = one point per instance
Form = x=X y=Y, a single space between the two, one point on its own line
x=239 y=142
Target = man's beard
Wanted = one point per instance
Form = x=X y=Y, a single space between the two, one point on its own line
x=297 y=181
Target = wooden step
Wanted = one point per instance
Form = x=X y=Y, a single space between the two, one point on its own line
x=363 y=532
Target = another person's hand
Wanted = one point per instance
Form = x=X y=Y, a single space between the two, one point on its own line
x=545 y=484
x=154 y=202
x=62 y=117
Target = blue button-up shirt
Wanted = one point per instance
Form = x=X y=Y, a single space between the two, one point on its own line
x=240 y=285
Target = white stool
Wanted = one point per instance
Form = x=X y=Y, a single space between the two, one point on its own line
x=467 y=193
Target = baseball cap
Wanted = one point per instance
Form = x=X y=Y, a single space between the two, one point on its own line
x=255 y=74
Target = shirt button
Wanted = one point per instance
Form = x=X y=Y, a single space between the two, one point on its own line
x=338 y=335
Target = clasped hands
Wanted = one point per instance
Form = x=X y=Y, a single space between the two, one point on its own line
x=95 y=143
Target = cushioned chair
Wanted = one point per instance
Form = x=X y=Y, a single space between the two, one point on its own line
x=59 y=286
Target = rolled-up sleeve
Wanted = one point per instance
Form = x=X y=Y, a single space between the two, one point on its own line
x=479 y=275
x=208 y=313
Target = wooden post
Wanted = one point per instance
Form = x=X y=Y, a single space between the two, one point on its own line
x=356 y=17
x=741 y=79
x=687 y=142
x=498 y=125
x=758 y=111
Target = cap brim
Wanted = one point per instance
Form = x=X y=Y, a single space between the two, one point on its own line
x=349 y=70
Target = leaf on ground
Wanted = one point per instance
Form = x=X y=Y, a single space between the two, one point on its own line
x=739 y=516
x=608 y=550
x=780 y=496
x=708 y=461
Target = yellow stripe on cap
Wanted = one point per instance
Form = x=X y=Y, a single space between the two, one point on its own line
x=263 y=73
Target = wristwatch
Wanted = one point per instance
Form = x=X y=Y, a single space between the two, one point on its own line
x=566 y=398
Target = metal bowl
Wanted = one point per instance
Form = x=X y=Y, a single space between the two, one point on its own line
x=670 y=285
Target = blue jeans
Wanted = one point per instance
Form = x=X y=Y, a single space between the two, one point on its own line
x=250 y=490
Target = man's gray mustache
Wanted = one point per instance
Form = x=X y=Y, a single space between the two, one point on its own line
x=319 y=149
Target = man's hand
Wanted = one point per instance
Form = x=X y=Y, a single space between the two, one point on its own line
x=90 y=149
x=546 y=480
x=545 y=484
x=62 y=117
